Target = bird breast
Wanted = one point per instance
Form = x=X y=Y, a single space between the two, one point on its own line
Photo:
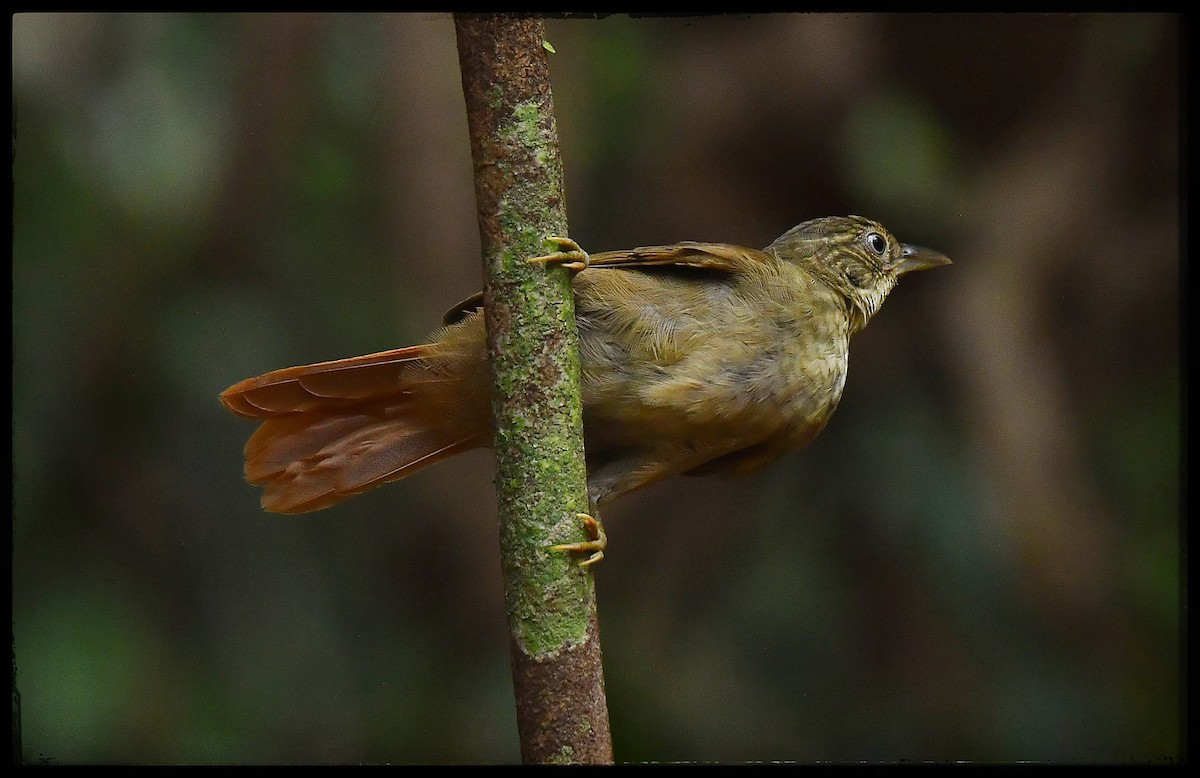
x=686 y=361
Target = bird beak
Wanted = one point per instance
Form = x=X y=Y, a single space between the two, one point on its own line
x=918 y=258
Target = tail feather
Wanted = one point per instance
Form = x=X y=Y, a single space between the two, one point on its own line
x=370 y=456
x=322 y=385
x=279 y=442
x=332 y=430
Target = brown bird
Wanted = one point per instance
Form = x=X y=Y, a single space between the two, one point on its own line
x=696 y=358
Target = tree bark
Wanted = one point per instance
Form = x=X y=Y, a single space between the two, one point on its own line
x=541 y=479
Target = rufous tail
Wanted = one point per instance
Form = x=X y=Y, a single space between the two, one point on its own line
x=336 y=429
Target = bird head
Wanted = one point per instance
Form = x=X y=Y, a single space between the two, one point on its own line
x=855 y=256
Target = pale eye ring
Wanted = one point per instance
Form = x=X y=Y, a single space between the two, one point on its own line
x=877 y=243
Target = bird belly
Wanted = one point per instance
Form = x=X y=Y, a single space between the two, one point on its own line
x=716 y=400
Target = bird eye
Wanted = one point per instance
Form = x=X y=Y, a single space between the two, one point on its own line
x=877 y=243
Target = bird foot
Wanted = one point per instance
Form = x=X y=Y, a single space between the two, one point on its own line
x=569 y=254
x=595 y=546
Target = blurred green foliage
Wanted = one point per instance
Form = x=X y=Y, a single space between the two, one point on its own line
x=979 y=559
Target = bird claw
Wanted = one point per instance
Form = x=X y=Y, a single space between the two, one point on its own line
x=569 y=254
x=595 y=546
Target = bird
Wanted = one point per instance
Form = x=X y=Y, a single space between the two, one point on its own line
x=695 y=358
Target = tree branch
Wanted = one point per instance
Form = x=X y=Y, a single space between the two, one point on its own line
x=541 y=482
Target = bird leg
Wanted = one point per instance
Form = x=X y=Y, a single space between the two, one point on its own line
x=595 y=546
x=569 y=254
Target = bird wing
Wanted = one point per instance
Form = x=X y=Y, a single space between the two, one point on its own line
x=720 y=257
x=711 y=257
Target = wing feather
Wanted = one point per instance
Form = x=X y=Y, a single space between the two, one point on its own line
x=720 y=257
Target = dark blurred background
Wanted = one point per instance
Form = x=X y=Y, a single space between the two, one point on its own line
x=978 y=559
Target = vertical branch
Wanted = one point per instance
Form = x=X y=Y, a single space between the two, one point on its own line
x=541 y=482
